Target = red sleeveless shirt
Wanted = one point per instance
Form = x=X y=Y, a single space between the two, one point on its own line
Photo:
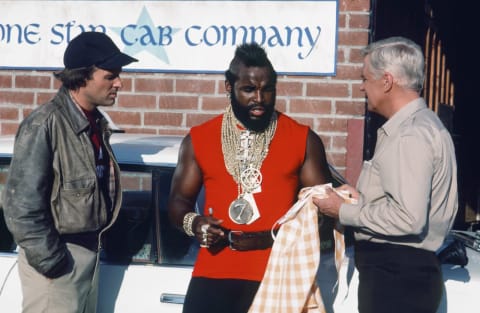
x=280 y=185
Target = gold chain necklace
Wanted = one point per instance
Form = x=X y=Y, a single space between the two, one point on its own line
x=244 y=151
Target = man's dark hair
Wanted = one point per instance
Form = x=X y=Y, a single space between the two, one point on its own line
x=72 y=79
x=250 y=55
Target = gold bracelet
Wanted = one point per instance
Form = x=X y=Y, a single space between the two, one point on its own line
x=187 y=223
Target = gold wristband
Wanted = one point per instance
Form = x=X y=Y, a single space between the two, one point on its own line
x=187 y=223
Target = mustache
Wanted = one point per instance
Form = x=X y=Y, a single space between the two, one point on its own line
x=257 y=106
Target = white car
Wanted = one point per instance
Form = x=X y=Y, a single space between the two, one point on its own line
x=147 y=263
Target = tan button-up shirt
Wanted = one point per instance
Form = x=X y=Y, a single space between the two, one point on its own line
x=409 y=188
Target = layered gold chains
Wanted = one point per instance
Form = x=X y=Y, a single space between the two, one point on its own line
x=244 y=150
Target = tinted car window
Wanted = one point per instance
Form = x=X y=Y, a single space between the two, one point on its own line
x=6 y=240
x=143 y=232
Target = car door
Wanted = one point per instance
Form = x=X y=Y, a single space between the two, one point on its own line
x=146 y=263
x=10 y=289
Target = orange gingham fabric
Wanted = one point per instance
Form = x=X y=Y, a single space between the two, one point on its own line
x=288 y=285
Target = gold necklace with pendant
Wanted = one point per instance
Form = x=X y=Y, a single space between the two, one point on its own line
x=243 y=153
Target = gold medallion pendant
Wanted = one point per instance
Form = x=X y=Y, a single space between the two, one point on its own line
x=244 y=210
x=240 y=211
x=251 y=179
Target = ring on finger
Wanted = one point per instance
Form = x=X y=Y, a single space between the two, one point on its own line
x=205 y=228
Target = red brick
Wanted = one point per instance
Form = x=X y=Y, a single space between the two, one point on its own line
x=153 y=85
x=288 y=88
x=356 y=92
x=353 y=38
x=356 y=56
x=32 y=82
x=5 y=81
x=342 y=20
x=309 y=121
x=327 y=90
x=196 y=119
x=349 y=71
x=125 y=118
x=331 y=125
x=359 y=21
x=57 y=84
x=43 y=97
x=281 y=105
x=350 y=107
x=26 y=111
x=163 y=119
x=195 y=86
x=341 y=55
x=221 y=87
x=7 y=128
x=337 y=159
x=214 y=103
x=354 y=5
x=354 y=146
x=312 y=106
x=137 y=101
x=178 y=102
x=16 y=97
x=127 y=84
x=9 y=114
x=339 y=142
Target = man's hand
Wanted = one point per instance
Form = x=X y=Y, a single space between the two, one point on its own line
x=330 y=204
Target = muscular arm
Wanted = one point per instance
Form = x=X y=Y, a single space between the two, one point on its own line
x=186 y=184
x=315 y=169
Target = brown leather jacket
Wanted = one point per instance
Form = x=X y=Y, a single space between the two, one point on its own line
x=52 y=188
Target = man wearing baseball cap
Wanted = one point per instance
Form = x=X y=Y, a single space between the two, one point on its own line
x=63 y=189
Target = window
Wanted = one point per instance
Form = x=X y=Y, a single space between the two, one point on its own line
x=143 y=232
x=6 y=239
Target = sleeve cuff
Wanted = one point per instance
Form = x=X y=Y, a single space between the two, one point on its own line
x=349 y=214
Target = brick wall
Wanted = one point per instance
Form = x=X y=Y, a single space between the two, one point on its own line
x=172 y=103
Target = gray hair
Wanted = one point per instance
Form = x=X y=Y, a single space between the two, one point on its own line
x=400 y=57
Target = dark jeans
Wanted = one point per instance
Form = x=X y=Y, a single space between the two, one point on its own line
x=206 y=295
x=395 y=278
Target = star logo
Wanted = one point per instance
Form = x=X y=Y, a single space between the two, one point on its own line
x=143 y=36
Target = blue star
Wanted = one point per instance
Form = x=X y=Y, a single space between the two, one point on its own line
x=143 y=32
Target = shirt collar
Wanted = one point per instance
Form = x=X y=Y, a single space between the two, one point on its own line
x=394 y=123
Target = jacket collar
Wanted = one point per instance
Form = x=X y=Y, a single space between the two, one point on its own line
x=74 y=114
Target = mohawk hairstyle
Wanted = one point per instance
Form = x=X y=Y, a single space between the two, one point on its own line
x=249 y=55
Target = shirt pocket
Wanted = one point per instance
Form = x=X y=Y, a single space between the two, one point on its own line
x=75 y=206
x=365 y=175
x=369 y=181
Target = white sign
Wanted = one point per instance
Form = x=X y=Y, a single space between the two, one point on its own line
x=300 y=37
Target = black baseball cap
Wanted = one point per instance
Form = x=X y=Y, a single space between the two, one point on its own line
x=94 y=48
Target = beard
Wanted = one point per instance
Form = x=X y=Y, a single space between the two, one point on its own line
x=253 y=123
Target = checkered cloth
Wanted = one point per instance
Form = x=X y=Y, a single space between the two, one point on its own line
x=288 y=285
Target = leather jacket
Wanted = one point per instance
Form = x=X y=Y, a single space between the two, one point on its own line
x=52 y=188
